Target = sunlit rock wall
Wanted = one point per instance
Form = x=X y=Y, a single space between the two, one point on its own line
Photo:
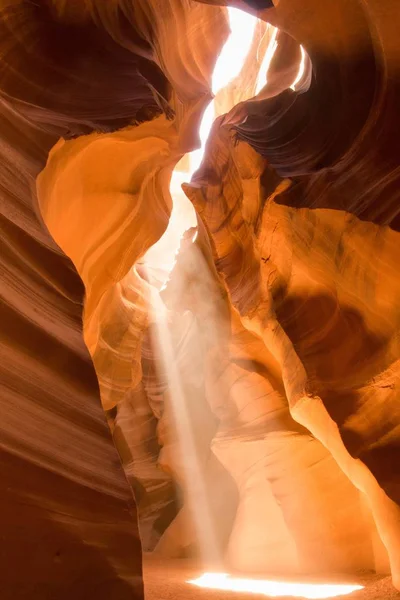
x=125 y=169
x=322 y=267
x=294 y=500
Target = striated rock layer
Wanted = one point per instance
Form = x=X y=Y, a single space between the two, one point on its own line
x=68 y=519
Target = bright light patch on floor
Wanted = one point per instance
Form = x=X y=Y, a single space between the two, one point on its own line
x=274 y=589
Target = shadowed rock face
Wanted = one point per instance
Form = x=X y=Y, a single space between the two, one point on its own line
x=282 y=315
x=63 y=495
x=68 y=518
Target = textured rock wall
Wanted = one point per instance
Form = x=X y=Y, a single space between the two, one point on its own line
x=318 y=281
x=68 y=519
x=123 y=178
x=297 y=510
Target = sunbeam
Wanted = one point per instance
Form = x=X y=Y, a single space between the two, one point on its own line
x=187 y=456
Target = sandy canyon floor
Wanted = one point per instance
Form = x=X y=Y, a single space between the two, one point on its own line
x=167 y=580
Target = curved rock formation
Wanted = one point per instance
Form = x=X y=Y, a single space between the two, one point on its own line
x=80 y=181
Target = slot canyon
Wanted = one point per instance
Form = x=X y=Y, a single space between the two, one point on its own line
x=199 y=299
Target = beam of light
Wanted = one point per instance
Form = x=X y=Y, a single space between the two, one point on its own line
x=301 y=69
x=263 y=73
x=161 y=256
x=274 y=589
x=228 y=66
x=197 y=498
x=196 y=156
x=235 y=50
